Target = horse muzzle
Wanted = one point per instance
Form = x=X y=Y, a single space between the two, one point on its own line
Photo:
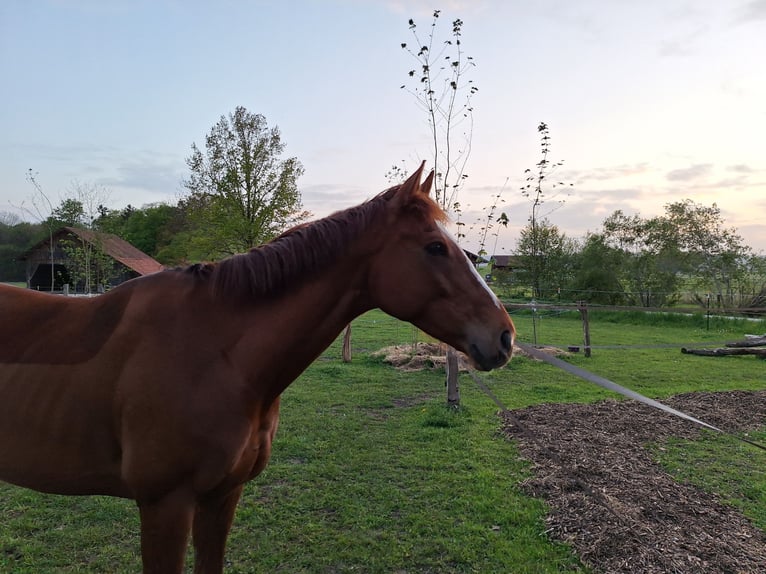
x=486 y=360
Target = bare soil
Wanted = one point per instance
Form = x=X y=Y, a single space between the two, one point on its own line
x=618 y=508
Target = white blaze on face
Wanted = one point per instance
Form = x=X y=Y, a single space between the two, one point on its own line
x=478 y=276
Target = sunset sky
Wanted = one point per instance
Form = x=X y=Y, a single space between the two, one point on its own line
x=647 y=102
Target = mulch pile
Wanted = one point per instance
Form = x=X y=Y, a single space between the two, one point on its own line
x=620 y=510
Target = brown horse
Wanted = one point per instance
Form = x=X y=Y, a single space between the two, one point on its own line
x=166 y=389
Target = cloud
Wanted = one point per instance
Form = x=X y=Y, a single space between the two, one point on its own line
x=155 y=175
x=752 y=11
x=422 y=8
x=620 y=195
x=740 y=168
x=689 y=173
x=611 y=172
x=322 y=199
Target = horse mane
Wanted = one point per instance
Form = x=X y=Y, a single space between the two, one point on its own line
x=302 y=251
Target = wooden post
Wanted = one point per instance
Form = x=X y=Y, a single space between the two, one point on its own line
x=583 y=307
x=347 y=344
x=453 y=391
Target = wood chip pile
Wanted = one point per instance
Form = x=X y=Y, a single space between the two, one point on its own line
x=620 y=510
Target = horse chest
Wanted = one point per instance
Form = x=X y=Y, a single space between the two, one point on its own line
x=255 y=452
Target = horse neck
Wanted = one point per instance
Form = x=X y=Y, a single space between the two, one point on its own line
x=292 y=330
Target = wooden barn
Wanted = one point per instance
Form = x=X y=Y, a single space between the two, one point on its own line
x=85 y=261
x=508 y=262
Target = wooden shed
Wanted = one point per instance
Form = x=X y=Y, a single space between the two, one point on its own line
x=109 y=259
x=509 y=262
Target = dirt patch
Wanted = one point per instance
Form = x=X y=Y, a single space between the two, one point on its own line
x=621 y=511
x=432 y=356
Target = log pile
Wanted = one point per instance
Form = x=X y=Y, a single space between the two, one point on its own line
x=750 y=345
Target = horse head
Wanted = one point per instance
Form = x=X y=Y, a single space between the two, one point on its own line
x=421 y=275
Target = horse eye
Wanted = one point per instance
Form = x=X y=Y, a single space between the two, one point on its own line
x=437 y=248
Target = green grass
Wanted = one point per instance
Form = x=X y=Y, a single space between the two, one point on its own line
x=735 y=472
x=372 y=473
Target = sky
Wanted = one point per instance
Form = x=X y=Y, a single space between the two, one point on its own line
x=647 y=103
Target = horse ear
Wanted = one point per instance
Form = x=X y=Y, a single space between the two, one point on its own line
x=426 y=186
x=410 y=187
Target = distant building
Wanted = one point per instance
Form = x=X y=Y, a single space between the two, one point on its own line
x=508 y=262
x=124 y=261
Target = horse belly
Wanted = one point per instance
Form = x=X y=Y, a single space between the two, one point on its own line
x=56 y=431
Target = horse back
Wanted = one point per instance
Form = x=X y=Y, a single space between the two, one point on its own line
x=39 y=328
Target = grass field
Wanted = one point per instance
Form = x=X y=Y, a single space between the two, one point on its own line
x=372 y=473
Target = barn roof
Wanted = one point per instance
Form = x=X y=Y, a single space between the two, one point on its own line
x=115 y=247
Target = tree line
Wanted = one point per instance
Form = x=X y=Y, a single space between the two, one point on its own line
x=687 y=252
x=241 y=192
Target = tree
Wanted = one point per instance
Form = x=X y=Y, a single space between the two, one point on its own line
x=713 y=254
x=242 y=193
x=16 y=236
x=597 y=272
x=546 y=257
x=751 y=283
x=40 y=202
x=89 y=265
x=536 y=187
x=150 y=228
x=442 y=90
x=440 y=87
x=688 y=245
x=69 y=212
x=88 y=262
x=650 y=260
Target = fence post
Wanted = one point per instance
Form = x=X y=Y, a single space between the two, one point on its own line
x=453 y=390
x=583 y=307
x=347 y=344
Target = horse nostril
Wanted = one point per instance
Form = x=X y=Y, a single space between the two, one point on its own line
x=505 y=340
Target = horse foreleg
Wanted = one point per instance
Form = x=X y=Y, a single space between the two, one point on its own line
x=212 y=521
x=165 y=526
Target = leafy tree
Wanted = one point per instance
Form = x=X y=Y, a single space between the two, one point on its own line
x=69 y=212
x=113 y=220
x=546 y=258
x=715 y=256
x=688 y=245
x=16 y=236
x=751 y=283
x=150 y=228
x=597 y=271
x=651 y=264
x=89 y=265
x=241 y=192
x=81 y=207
